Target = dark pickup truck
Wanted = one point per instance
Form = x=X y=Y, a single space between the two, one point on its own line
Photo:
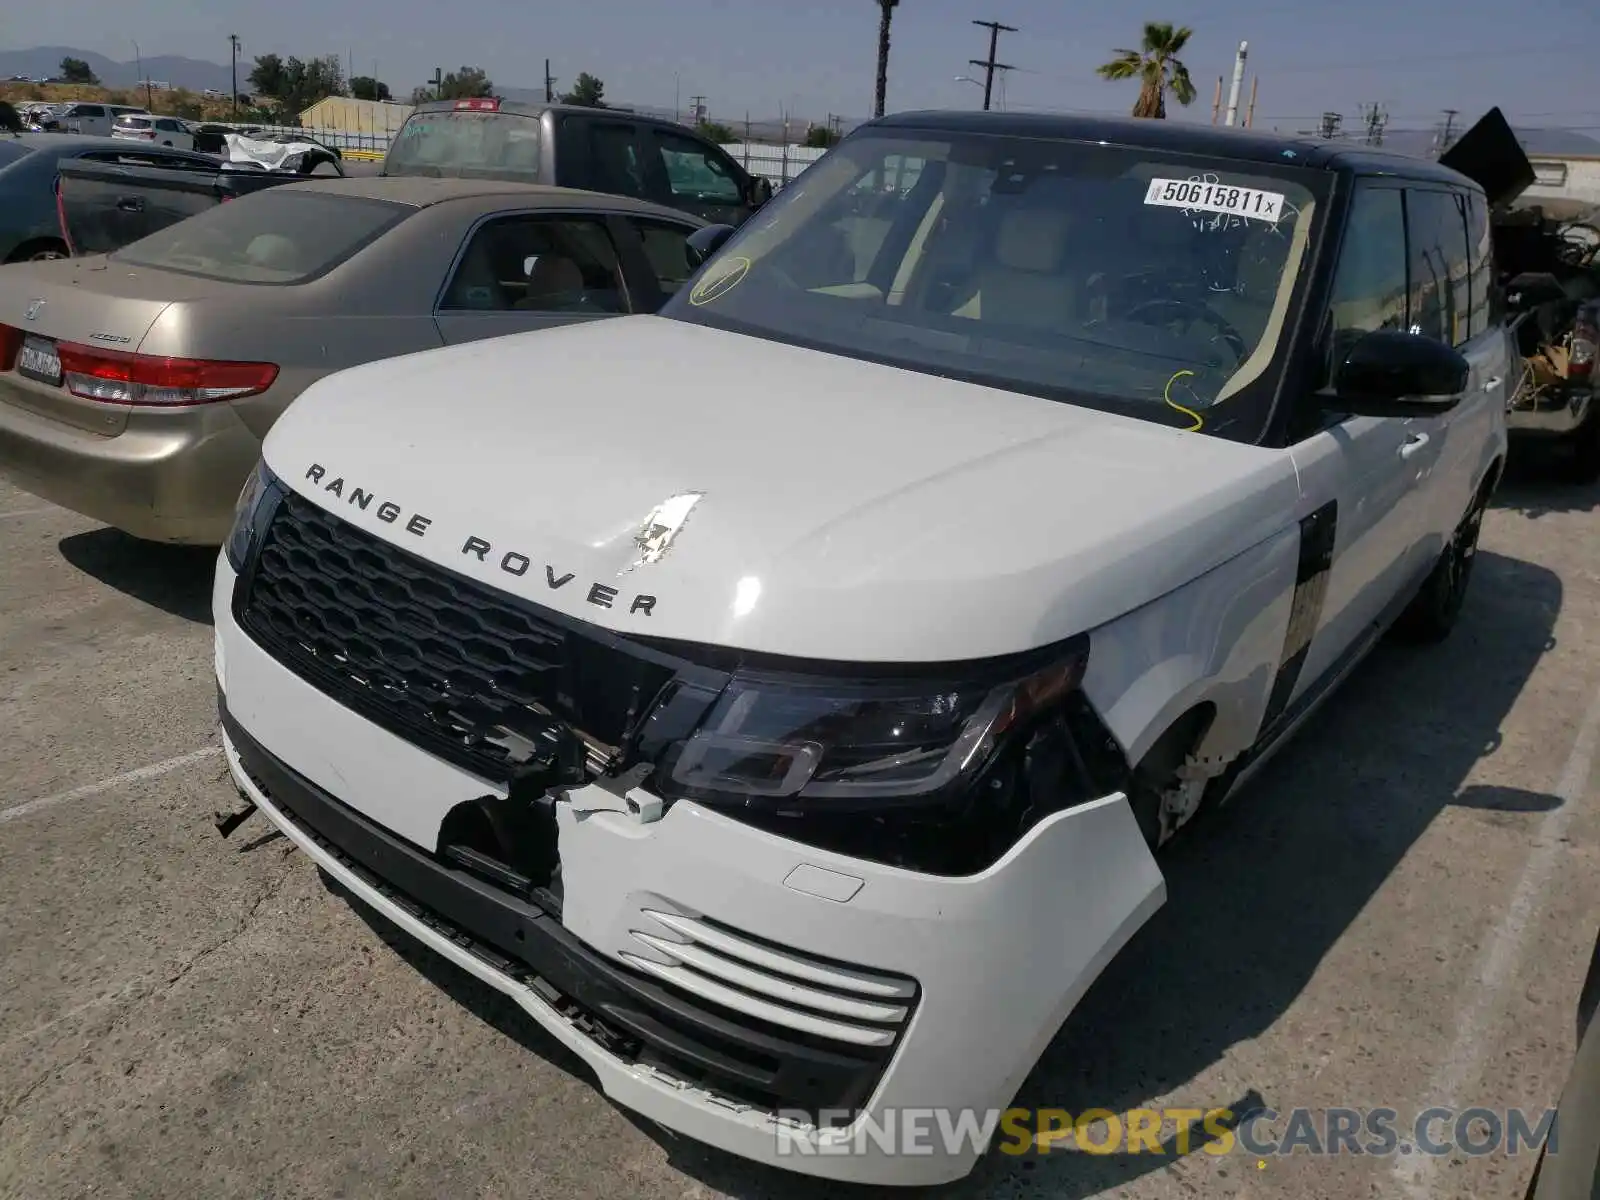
x=106 y=205
x=597 y=149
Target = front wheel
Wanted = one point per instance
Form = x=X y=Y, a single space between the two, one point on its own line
x=1433 y=614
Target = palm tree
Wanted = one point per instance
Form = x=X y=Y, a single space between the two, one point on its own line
x=885 y=15
x=1157 y=68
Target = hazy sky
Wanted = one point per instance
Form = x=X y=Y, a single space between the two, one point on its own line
x=1416 y=56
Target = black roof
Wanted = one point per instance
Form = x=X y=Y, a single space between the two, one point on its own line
x=1220 y=141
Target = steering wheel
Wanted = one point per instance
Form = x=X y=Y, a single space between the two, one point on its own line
x=1193 y=311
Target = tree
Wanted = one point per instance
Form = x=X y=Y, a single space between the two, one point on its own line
x=715 y=131
x=587 y=91
x=75 y=70
x=469 y=83
x=1157 y=68
x=267 y=77
x=885 y=16
x=365 y=87
x=422 y=95
x=820 y=137
x=10 y=119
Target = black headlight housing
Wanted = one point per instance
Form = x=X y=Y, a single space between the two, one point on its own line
x=249 y=512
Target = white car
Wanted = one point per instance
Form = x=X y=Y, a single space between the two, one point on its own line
x=783 y=698
x=151 y=129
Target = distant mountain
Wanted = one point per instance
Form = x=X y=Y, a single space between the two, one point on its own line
x=43 y=62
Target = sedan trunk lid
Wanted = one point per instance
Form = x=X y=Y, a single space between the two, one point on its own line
x=92 y=302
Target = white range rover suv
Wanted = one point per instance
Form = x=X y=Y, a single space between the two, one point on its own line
x=783 y=697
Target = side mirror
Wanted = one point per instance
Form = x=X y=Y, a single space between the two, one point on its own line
x=760 y=191
x=703 y=243
x=1390 y=373
x=1532 y=289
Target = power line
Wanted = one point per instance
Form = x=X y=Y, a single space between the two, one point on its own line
x=989 y=64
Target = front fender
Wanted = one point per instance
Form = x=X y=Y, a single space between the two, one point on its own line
x=1216 y=639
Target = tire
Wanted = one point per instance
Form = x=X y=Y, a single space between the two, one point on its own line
x=40 y=251
x=1433 y=613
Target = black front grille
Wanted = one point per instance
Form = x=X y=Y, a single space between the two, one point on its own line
x=476 y=676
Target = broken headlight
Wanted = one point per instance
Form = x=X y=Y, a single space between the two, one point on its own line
x=774 y=737
x=245 y=512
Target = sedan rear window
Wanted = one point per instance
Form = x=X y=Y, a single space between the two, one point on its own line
x=283 y=235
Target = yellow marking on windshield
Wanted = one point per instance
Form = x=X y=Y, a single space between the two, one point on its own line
x=1166 y=395
x=723 y=282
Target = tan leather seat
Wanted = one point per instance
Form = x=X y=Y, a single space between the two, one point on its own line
x=1022 y=282
x=1258 y=271
x=555 y=283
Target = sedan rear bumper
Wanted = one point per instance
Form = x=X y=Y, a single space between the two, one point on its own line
x=169 y=476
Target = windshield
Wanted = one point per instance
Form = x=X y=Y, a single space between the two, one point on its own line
x=1138 y=281
x=277 y=236
x=465 y=143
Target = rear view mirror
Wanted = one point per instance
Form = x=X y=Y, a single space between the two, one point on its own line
x=760 y=190
x=1532 y=289
x=1390 y=373
x=703 y=243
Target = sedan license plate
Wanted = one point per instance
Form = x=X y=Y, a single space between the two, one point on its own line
x=39 y=360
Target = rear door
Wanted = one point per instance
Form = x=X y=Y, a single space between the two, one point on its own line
x=600 y=154
x=110 y=199
x=519 y=271
x=687 y=173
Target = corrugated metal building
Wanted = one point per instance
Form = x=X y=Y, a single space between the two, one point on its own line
x=344 y=115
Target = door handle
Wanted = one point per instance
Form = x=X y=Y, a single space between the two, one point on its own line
x=1414 y=442
x=131 y=204
x=1489 y=385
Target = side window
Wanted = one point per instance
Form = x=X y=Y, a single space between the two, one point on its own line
x=694 y=172
x=1369 y=286
x=539 y=264
x=664 y=246
x=1482 y=309
x=614 y=159
x=1436 y=227
x=90 y=110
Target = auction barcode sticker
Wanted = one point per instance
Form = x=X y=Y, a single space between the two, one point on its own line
x=1195 y=196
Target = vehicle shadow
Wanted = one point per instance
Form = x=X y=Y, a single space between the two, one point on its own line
x=1534 y=485
x=1257 y=895
x=175 y=579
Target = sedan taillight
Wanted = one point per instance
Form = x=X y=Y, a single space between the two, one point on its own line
x=10 y=346
x=117 y=377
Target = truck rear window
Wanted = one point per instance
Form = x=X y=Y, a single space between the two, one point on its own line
x=466 y=144
x=280 y=236
x=134 y=122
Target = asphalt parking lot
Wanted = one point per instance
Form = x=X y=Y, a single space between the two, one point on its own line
x=1398 y=913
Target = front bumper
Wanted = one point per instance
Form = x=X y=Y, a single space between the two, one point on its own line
x=710 y=974
x=1559 y=412
x=167 y=477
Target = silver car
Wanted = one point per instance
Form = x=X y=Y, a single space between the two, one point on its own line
x=136 y=387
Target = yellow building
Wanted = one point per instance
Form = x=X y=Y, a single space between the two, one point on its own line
x=340 y=114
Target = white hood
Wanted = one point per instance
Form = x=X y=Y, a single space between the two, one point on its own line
x=847 y=510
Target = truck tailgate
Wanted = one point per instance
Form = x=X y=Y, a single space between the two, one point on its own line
x=106 y=205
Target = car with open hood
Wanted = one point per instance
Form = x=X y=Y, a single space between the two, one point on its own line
x=785 y=697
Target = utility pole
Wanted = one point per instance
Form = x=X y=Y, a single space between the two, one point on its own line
x=1216 y=102
x=438 y=83
x=1447 y=134
x=989 y=65
x=549 y=84
x=233 y=40
x=1330 y=125
x=1238 y=78
x=1250 y=113
x=696 y=109
x=1376 y=119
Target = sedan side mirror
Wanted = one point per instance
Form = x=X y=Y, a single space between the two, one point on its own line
x=1532 y=289
x=759 y=191
x=703 y=243
x=1391 y=373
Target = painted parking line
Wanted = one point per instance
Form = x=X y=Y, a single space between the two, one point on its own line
x=137 y=775
x=1500 y=967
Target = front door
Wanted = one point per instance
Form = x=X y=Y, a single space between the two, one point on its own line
x=694 y=176
x=1361 y=474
